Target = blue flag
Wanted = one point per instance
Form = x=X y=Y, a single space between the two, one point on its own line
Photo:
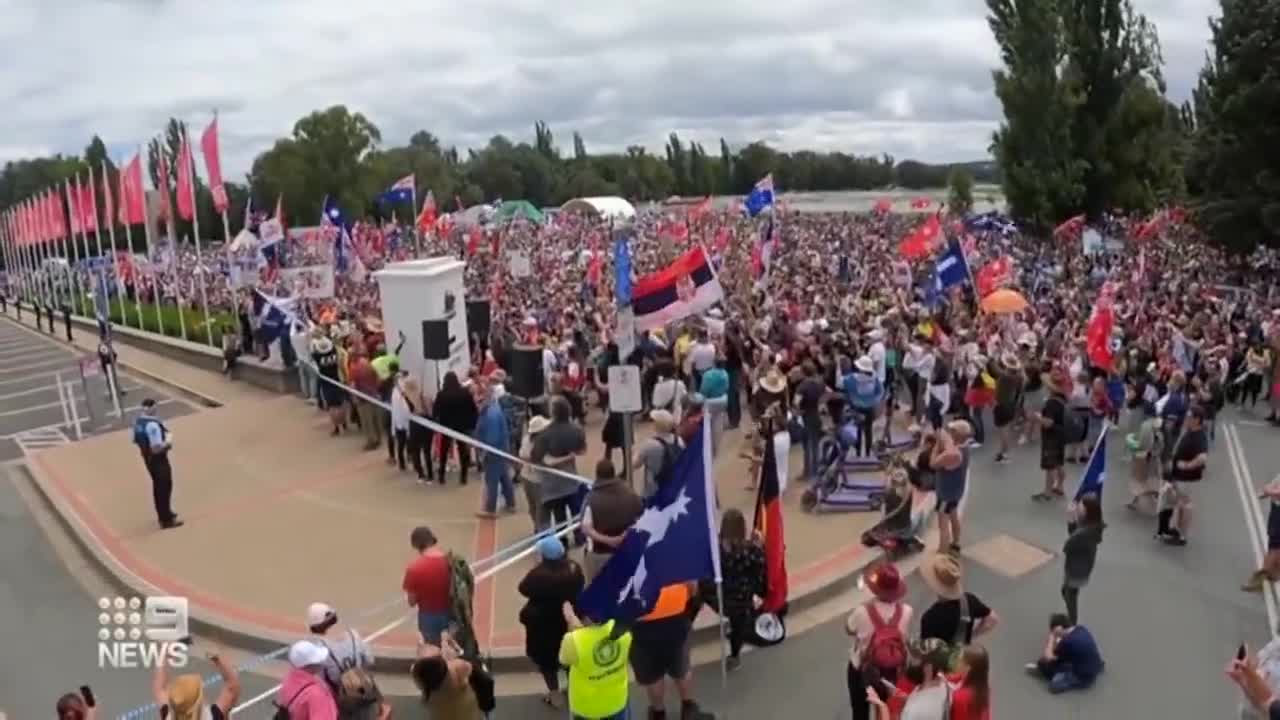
x=401 y=191
x=622 y=269
x=672 y=542
x=761 y=196
x=952 y=268
x=1095 y=473
x=331 y=218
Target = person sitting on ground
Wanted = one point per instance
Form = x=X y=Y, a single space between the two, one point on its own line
x=1071 y=659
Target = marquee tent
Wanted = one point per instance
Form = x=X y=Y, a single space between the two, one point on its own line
x=611 y=207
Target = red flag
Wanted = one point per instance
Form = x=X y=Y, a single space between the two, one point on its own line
x=427 y=218
x=1070 y=227
x=108 y=202
x=497 y=243
x=88 y=206
x=919 y=244
x=473 y=240
x=993 y=275
x=186 y=198
x=723 y=238
x=922 y=203
x=59 y=214
x=700 y=209
x=768 y=522
x=1098 y=334
x=46 y=216
x=213 y=164
x=1153 y=227
x=133 y=209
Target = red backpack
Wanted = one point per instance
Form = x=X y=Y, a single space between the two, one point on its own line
x=886 y=650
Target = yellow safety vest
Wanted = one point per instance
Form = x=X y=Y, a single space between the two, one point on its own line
x=598 y=680
x=382 y=365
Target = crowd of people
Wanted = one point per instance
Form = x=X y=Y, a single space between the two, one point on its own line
x=826 y=331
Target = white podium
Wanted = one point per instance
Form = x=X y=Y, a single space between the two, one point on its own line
x=419 y=290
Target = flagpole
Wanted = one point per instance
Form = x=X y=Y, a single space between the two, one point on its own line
x=115 y=254
x=73 y=298
x=137 y=275
x=171 y=228
x=84 y=233
x=9 y=272
x=413 y=220
x=156 y=294
x=195 y=230
x=97 y=240
x=73 y=221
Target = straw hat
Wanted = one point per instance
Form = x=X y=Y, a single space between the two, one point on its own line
x=943 y=574
x=538 y=424
x=865 y=364
x=185 y=695
x=773 y=381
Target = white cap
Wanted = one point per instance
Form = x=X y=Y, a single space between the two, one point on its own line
x=305 y=653
x=318 y=613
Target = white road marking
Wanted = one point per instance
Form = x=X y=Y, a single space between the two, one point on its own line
x=21 y=352
x=1253 y=518
x=56 y=361
x=39 y=439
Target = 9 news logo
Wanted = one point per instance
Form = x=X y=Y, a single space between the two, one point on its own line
x=143 y=632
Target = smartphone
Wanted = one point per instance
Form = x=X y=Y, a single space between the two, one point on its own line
x=1242 y=652
x=86 y=692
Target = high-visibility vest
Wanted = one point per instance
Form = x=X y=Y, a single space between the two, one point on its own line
x=382 y=365
x=672 y=601
x=598 y=680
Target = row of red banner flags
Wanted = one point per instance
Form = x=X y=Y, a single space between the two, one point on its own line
x=73 y=210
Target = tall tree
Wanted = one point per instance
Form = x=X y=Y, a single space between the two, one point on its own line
x=960 y=191
x=1235 y=162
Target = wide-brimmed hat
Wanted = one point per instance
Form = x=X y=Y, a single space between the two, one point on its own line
x=1010 y=361
x=885 y=583
x=538 y=424
x=774 y=381
x=943 y=574
x=865 y=364
x=663 y=420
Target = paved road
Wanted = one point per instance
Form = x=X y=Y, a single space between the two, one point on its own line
x=1167 y=618
x=31 y=412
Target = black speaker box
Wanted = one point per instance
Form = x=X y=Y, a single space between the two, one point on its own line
x=435 y=339
x=525 y=378
x=478 y=318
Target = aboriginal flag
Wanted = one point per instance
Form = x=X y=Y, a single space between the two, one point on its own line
x=768 y=522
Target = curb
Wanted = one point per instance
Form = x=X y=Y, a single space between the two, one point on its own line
x=190 y=394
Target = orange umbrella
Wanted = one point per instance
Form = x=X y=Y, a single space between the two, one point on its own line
x=1003 y=302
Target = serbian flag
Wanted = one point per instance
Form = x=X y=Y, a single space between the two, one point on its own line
x=686 y=287
x=213 y=164
x=427 y=218
x=768 y=523
x=994 y=274
x=919 y=244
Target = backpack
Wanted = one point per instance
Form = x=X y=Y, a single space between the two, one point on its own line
x=1073 y=428
x=670 y=453
x=355 y=690
x=282 y=711
x=886 y=650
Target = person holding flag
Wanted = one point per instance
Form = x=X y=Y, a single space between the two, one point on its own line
x=1080 y=551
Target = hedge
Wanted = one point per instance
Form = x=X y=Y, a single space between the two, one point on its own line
x=83 y=306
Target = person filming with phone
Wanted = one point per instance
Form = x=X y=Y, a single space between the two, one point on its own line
x=183 y=697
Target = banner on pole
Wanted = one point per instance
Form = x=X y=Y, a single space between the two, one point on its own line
x=312 y=281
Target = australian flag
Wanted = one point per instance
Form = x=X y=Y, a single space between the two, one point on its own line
x=674 y=541
x=400 y=191
x=761 y=196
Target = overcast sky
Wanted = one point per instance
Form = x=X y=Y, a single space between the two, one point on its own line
x=907 y=77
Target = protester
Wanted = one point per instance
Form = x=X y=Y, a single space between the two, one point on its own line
x=1188 y=459
x=878 y=629
x=972 y=697
x=743 y=585
x=493 y=429
x=427 y=585
x=558 y=447
x=658 y=452
x=660 y=650
x=950 y=461
x=547 y=587
x=1270 y=570
x=957 y=616
x=611 y=508
x=597 y=655
x=183 y=698
x=347 y=671
x=1070 y=659
x=1080 y=552
x=1054 y=436
x=448 y=681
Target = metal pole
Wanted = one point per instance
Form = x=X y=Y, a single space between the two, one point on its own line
x=73 y=298
x=115 y=254
x=113 y=386
x=62 y=401
x=151 y=265
x=190 y=161
x=137 y=273
x=88 y=396
x=627 y=431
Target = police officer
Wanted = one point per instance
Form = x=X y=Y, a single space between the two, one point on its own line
x=155 y=441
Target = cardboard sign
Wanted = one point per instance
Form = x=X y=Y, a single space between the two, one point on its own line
x=624 y=389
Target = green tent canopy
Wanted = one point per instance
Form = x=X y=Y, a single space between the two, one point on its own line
x=518 y=208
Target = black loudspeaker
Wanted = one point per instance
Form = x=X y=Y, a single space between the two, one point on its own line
x=525 y=379
x=435 y=339
x=478 y=318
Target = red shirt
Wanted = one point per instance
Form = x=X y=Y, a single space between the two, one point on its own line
x=427 y=580
x=962 y=701
x=363 y=377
